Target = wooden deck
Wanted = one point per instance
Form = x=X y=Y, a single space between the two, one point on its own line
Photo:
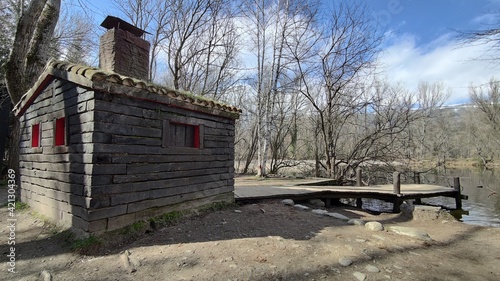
x=251 y=188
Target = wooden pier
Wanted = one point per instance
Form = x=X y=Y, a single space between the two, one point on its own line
x=249 y=189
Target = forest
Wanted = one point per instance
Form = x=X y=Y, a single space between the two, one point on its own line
x=304 y=73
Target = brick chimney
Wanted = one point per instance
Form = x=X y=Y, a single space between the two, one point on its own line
x=122 y=50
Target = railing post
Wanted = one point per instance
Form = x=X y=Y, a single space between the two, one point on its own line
x=458 y=193
x=359 y=174
x=396 y=184
x=416 y=180
x=416 y=177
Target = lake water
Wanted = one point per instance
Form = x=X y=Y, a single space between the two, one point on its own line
x=482 y=187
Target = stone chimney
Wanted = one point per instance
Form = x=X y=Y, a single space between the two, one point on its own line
x=122 y=50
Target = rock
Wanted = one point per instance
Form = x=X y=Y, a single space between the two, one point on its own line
x=237 y=211
x=424 y=213
x=356 y=222
x=372 y=268
x=45 y=276
x=407 y=209
x=125 y=261
x=288 y=202
x=338 y=216
x=410 y=231
x=319 y=212
x=374 y=226
x=302 y=207
x=360 y=276
x=317 y=202
x=345 y=261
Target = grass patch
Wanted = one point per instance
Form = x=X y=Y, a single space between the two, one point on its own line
x=166 y=219
x=216 y=206
x=21 y=206
x=134 y=229
x=85 y=244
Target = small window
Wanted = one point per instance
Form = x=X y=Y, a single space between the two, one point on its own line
x=35 y=135
x=182 y=135
x=60 y=132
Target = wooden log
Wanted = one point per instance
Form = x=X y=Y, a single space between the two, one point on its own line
x=458 y=193
x=359 y=203
x=396 y=204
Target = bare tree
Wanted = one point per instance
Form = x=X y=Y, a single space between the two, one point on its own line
x=488 y=36
x=151 y=16
x=348 y=47
x=487 y=101
x=431 y=97
x=73 y=39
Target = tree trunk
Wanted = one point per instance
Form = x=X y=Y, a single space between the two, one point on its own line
x=27 y=59
x=4 y=129
x=15 y=136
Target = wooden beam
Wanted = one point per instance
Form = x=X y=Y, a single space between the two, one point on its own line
x=458 y=193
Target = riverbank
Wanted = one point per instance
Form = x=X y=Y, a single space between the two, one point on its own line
x=265 y=241
x=470 y=163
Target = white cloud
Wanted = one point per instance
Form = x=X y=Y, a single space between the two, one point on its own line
x=442 y=60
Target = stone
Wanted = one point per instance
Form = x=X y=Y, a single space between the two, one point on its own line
x=302 y=207
x=288 y=202
x=372 y=268
x=426 y=213
x=125 y=261
x=317 y=202
x=407 y=209
x=345 y=261
x=338 y=216
x=45 y=275
x=374 y=226
x=356 y=222
x=320 y=212
x=237 y=211
x=410 y=231
x=359 y=275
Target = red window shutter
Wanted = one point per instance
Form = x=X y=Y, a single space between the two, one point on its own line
x=35 y=135
x=196 y=137
x=60 y=134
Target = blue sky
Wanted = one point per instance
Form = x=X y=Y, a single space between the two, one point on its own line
x=420 y=42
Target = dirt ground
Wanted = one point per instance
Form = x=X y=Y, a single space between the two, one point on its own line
x=263 y=241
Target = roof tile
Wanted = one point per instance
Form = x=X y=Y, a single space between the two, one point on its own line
x=99 y=75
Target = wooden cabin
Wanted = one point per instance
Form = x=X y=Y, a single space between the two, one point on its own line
x=102 y=148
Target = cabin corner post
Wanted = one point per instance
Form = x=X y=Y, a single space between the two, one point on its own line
x=458 y=193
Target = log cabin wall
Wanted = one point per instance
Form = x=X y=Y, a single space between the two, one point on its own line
x=146 y=165
x=54 y=176
x=122 y=159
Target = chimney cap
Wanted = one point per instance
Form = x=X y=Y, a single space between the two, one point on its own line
x=114 y=22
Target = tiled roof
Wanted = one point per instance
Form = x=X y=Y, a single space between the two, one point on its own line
x=99 y=79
